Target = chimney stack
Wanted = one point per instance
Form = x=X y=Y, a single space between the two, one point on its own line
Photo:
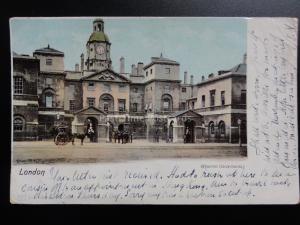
x=203 y=78
x=82 y=62
x=192 y=79
x=140 y=68
x=122 y=65
x=185 y=77
x=245 y=58
x=77 y=67
x=133 y=70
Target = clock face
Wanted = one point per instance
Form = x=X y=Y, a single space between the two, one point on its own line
x=100 y=50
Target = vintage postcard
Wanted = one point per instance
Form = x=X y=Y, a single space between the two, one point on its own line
x=154 y=110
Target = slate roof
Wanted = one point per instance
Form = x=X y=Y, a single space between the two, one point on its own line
x=161 y=60
x=239 y=69
x=22 y=56
x=49 y=51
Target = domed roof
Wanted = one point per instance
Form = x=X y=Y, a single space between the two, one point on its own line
x=98 y=20
x=98 y=36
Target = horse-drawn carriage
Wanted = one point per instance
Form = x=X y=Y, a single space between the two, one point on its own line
x=63 y=135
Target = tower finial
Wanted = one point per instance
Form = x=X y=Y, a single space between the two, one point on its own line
x=98 y=25
x=48 y=46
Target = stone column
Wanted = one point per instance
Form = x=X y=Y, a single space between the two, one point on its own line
x=107 y=132
x=229 y=134
x=147 y=130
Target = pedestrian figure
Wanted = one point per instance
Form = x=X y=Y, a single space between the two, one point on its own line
x=157 y=135
x=115 y=136
x=90 y=130
x=171 y=132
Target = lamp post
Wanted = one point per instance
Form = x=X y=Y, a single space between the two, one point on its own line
x=239 y=123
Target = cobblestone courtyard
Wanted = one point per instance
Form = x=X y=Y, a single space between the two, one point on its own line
x=48 y=152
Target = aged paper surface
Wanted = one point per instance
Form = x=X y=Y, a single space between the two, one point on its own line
x=268 y=175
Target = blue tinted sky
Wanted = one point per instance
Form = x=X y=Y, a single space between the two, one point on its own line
x=200 y=45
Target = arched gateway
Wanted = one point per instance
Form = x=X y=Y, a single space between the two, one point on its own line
x=92 y=128
x=186 y=126
x=90 y=121
x=189 y=131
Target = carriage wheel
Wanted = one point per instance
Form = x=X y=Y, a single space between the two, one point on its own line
x=61 y=139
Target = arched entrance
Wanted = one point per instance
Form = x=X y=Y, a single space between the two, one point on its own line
x=244 y=131
x=189 y=131
x=170 y=138
x=221 y=132
x=211 y=130
x=121 y=127
x=92 y=129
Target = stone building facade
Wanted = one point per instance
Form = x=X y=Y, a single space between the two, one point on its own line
x=150 y=100
x=26 y=70
x=221 y=99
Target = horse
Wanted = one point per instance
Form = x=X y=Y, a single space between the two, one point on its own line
x=122 y=136
x=78 y=136
x=125 y=137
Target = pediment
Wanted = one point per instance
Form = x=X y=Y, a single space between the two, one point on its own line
x=186 y=113
x=191 y=114
x=106 y=75
x=91 y=110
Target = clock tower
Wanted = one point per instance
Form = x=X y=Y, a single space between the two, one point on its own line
x=98 y=48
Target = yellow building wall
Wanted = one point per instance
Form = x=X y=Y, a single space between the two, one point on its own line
x=219 y=85
x=99 y=90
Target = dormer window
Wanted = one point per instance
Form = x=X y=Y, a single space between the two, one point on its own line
x=48 y=62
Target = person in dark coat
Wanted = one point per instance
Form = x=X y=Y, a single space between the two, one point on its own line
x=157 y=135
